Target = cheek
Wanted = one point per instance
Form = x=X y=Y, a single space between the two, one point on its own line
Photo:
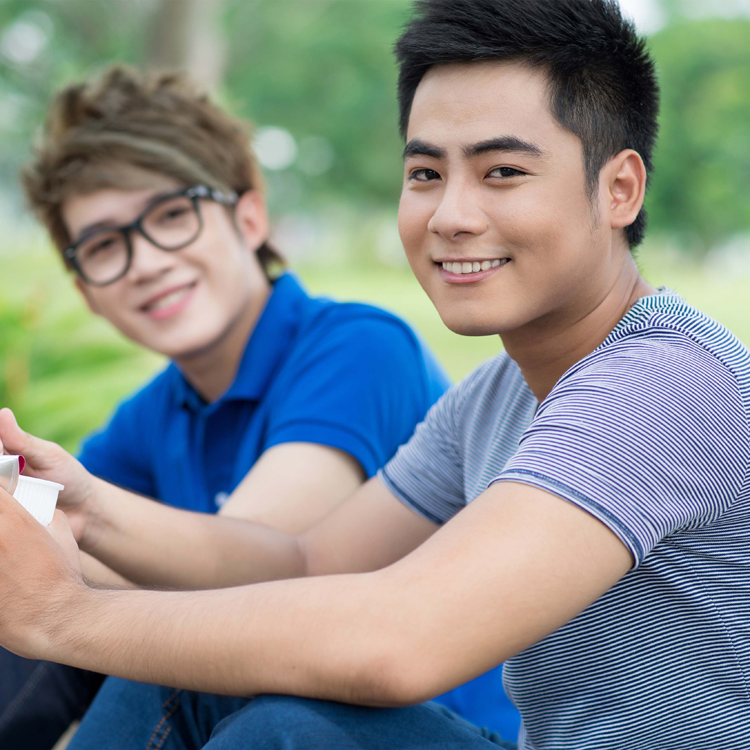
x=414 y=213
x=545 y=227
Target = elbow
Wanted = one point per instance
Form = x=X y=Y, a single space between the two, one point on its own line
x=397 y=679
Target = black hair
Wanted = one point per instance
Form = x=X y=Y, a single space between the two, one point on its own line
x=603 y=85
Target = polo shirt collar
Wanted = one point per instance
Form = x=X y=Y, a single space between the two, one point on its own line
x=265 y=351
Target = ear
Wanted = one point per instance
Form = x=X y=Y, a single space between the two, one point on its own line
x=85 y=293
x=251 y=218
x=625 y=187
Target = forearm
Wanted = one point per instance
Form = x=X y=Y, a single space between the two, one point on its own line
x=324 y=638
x=98 y=575
x=153 y=544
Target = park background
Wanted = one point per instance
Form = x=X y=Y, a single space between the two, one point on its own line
x=318 y=79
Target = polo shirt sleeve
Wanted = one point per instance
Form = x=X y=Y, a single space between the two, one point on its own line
x=120 y=451
x=649 y=436
x=359 y=385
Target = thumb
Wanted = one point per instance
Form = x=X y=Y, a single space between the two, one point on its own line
x=12 y=438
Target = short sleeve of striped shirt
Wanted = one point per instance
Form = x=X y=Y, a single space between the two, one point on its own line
x=430 y=464
x=648 y=435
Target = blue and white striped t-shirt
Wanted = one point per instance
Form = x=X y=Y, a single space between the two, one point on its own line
x=650 y=434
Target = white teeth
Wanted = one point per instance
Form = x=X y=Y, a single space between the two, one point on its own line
x=474 y=266
x=170 y=299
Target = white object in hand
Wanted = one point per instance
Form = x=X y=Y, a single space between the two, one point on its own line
x=10 y=470
x=38 y=496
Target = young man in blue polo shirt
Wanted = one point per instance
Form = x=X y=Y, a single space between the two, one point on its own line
x=578 y=507
x=276 y=405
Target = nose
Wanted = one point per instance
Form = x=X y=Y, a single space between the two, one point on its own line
x=458 y=214
x=149 y=262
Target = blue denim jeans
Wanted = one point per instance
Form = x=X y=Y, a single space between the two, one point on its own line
x=134 y=716
x=39 y=700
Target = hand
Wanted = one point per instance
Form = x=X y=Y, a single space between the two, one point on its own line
x=47 y=460
x=40 y=579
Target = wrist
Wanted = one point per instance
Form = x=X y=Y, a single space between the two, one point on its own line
x=62 y=625
x=92 y=510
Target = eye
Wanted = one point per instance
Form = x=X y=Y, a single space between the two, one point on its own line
x=100 y=246
x=172 y=214
x=424 y=175
x=505 y=172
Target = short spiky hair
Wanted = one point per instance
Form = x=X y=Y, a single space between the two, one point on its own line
x=603 y=85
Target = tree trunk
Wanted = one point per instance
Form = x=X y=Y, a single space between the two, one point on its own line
x=188 y=35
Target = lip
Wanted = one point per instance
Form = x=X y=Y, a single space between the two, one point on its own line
x=166 y=312
x=467 y=278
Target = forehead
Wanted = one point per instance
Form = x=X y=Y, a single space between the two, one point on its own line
x=112 y=205
x=471 y=102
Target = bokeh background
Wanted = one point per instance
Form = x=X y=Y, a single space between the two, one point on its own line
x=318 y=79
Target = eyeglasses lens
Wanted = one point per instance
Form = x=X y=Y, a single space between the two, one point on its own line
x=172 y=224
x=169 y=225
x=103 y=257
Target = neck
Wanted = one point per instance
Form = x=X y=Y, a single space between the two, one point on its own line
x=546 y=348
x=212 y=370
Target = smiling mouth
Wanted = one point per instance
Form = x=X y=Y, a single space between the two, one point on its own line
x=168 y=300
x=470 y=267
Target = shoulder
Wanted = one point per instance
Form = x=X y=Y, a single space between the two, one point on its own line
x=493 y=390
x=656 y=389
x=350 y=319
x=663 y=360
x=497 y=377
x=364 y=334
x=672 y=331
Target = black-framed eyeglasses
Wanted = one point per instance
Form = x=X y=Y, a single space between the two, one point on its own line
x=103 y=256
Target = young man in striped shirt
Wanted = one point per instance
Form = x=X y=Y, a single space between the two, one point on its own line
x=579 y=506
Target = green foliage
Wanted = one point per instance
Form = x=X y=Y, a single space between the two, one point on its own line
x=323 y=69
x=61 y=369
x=702 y=166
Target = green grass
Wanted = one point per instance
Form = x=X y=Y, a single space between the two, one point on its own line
x=62 y=369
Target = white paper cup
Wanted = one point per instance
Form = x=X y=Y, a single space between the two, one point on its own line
x=10 y=470
x=38 y=496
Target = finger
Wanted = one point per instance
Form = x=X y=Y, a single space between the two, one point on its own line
x=12 y=437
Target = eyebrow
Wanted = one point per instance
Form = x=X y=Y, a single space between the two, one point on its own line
x=88 y=229
x=416 y=147
x=509 y=143
x=504 y=143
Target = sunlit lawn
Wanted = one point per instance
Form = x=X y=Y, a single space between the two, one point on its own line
x=63 y=370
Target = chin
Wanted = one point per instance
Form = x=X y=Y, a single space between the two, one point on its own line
x=179 y=348
x=467 y=326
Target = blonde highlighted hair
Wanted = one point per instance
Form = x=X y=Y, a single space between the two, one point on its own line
x=117 y=130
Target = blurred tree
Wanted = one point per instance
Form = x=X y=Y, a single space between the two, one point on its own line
x=188 y=35
x=322 y=73
x=323 y=70
x=702 y=167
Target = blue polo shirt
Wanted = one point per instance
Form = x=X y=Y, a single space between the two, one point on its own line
x=346 y=375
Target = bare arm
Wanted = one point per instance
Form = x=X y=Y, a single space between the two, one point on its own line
x=292 y=486
x=97 y=574
x=511 y=568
